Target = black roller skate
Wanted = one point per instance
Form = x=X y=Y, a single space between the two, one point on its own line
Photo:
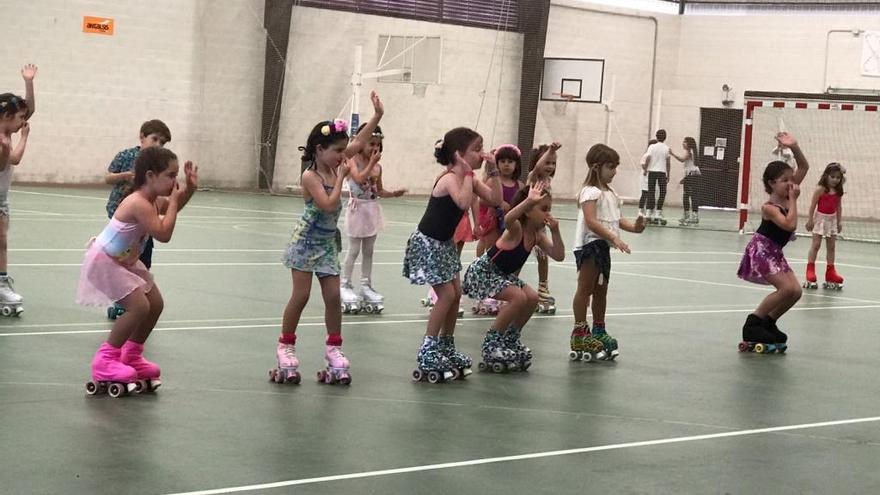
x=461 y=362
x=511 y=339
x=781 y=337
x=756 y=337
x=433 y=366
x=115 y=311
x=496 y=356
x=609 y=342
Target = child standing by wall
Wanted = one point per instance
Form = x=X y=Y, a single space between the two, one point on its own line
x=598 y=228
x=363 y=222
x=493 y=274
x=315 y=244
x=658 y=177
x=14 y=113
x=430 y=253
x=543 y=169
x=113 y=272
x=763 y=261
x=825 y=222
x=689 y=203
x=643 y=180
x=120 y=174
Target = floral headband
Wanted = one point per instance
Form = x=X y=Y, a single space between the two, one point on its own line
x=837 y=165
x=334 y=127
x=511 y=146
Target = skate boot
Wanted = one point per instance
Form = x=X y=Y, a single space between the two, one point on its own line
x=780 y=336
x=608 y=342
x=350 y=301
x=109 y=374
x=372 y=300
x=546 y=302
x=833 y=280
x=487 y=306
x=288 y=364
x=115 y=311
x=496 y=356
x=650 y=219
x=433 y=366
x=685 y=219
x=585 y=347
x=511 y=339
x=430 y=300
x=337 y=367
x=461 y=363
x=10 y=302
x=659 y=219
x=810 y=282
x=756 y=338
x=148 y=373
x=695 y=218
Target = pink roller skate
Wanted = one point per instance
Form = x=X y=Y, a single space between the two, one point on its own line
x=337 y=367
x=147 y=372
x=286 y=372
x=109 y=374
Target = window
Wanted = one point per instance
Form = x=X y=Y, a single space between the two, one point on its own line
x=493 y=14
x=418 y=55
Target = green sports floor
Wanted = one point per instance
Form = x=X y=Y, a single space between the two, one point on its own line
x=680 y=411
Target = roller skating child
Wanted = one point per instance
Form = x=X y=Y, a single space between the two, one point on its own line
x=494 y=274
x=112 y=271
x=431 y=258
x=315 y=244
x=363 y=222
x=120 y=174
x=14 y=114
x=658 y=167
x=689 y=204
x=763 y=261
x=643 y=180
x=598 y=229
x=543 y=169
x=825 y=222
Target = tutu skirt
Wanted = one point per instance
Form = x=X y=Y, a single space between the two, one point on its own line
x=363 y=218
x=103 y=280
x=825 y=224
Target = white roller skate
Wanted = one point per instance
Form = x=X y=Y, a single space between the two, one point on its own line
x=286 y=372
x=372 y=300
x=351 y=303
x=431 y=299
x=546 y=302
x=659 y=219
x=337 y=367
x=685 y=220
x=10 y=302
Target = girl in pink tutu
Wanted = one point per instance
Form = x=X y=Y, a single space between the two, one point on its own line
x=112 y=273
x=763 y=261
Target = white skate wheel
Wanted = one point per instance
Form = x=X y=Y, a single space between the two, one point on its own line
x=497 y=367
x=573 y=355
x=587 y=357
x=115 y=390
x=417 y=375
x=7 y=311
x=91 y=388
x=433 y=377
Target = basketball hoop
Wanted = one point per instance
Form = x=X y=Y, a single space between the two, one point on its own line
x=559 y=106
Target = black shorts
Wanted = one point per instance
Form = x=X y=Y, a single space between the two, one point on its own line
x=600 y=252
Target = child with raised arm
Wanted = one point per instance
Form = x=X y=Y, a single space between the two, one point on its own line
x=315 y=244
x=763 y=261
x=14 y=113
x=494 y=274
x=825 y=222
x=120 y=173
x=598 y=229
x=689 y=202
x=543 y=169
x=112 y=271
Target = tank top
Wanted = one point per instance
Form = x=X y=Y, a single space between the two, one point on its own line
x=509 y=261
x=122 y=240
x=317 y=223
x=509 y=192
x=441 y=217
x=774 y=232
x=828 y=203
x=366 y=189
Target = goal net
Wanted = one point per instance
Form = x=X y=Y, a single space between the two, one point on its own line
x=829 y=128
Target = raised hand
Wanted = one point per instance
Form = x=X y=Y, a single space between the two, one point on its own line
x=375 y=156
x=461 y=163
x=192 y=175
x=787 y=140
x=794 y=191
x=489 y=158
x=25 y=130
x=555 y=145
x=28 y=72
x=378 y=107
x=551 y=222
x=536 y=191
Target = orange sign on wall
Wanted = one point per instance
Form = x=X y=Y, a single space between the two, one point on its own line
x=98 y=25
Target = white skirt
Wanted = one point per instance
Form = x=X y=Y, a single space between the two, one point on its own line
x=825 y=224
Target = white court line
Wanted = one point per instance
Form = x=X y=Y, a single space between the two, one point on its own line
x=380 y=322
x=534 y=455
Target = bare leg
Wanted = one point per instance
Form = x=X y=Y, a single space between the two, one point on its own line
x=814 y=248
x=528 y=308
x=830 y=247
x=332 y=304
x=516 y=300
x=788 y=292
x=588 y=276
x=148 y=322
x=302 y=287
x=448 y=327
x=137 y=309
x=446 y=300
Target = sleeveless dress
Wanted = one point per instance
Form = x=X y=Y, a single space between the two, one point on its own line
x=316 y=241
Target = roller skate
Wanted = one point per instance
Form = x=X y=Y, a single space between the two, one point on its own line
x=833 y=280
x=685 y=219
x=337 y=367
x=109 y=375
x=810 y=282
x=461 y=363
x=286 y=372
x=350 y=301
x=757 y=338
x=431 y=300
x=433 y=366
x=608 y=342
x=780 y=336
x=496 y=356
x=585 y=347
x=487 y=306
x=546 y=302
x=10 y=302
x=148 y=373
x=658 y=218
x=115 y=311
x=511 y=339
x=372 y=300
x=695 y=218
x=650 y=219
